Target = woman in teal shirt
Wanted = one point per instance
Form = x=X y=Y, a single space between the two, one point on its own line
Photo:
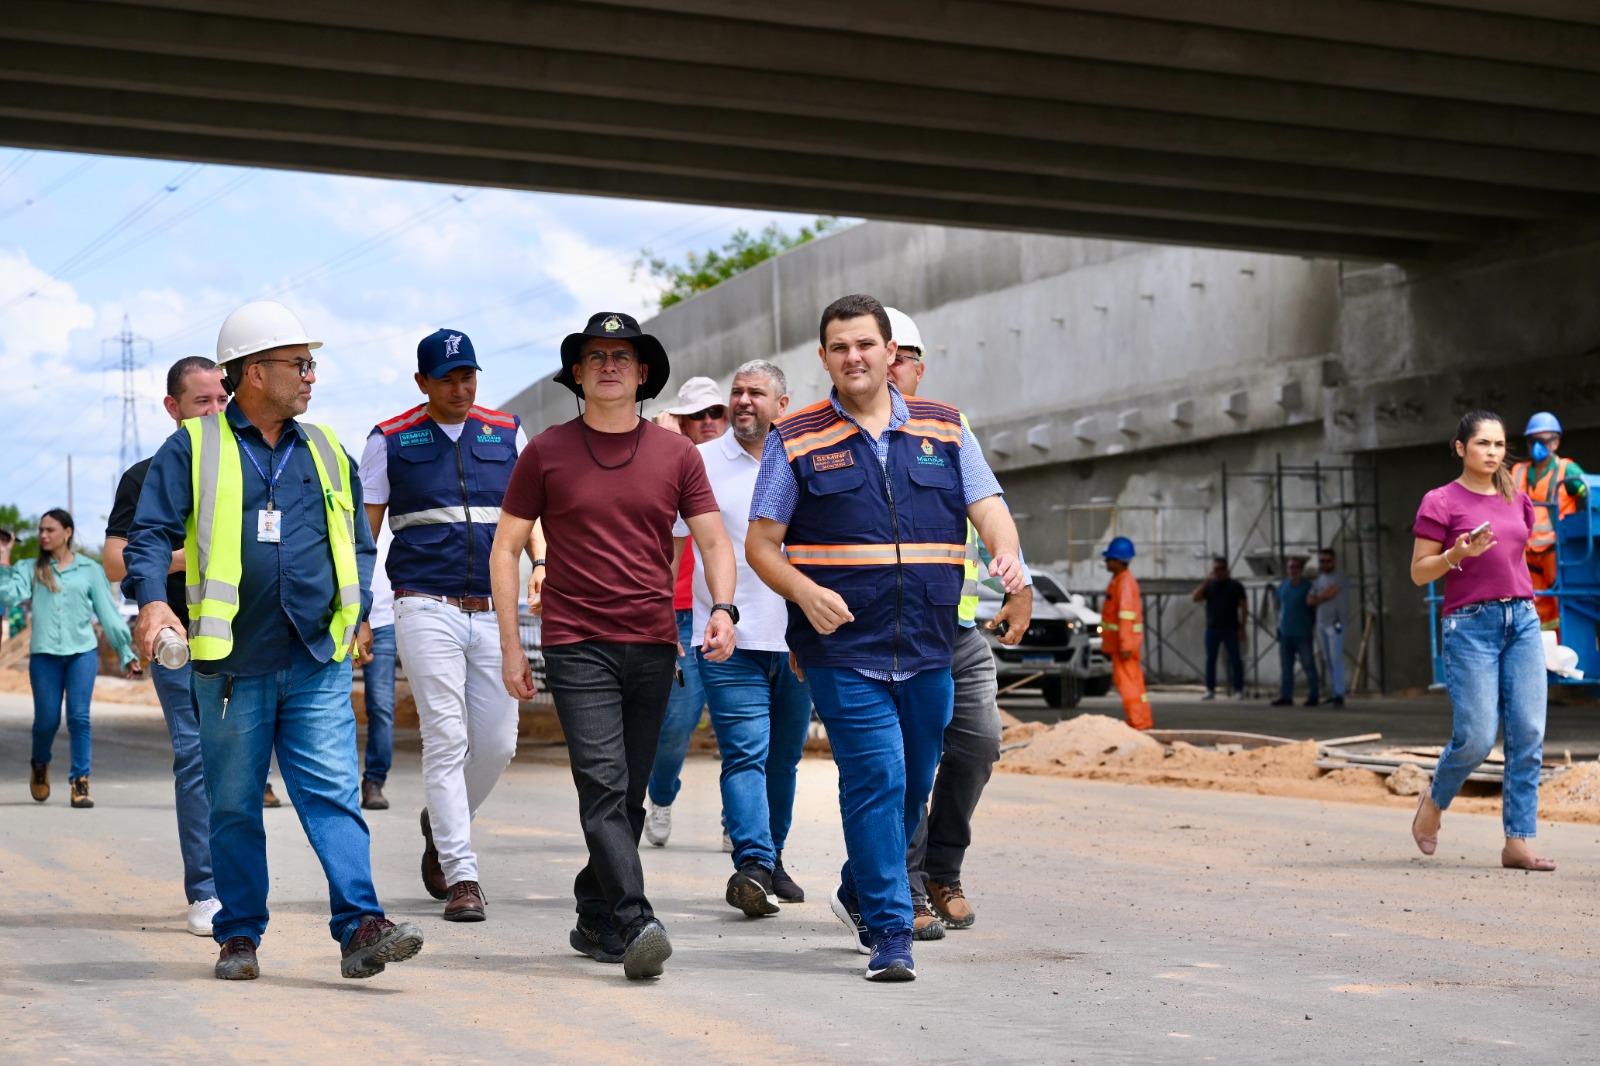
x=69 y=591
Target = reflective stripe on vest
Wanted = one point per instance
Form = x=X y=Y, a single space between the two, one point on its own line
x=213 y=536
x=442 y=516
x=874 y=554
x=1547 y=490
x=968 y=611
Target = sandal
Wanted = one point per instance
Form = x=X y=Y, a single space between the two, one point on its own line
x=1532 y=862
x=1426 y=845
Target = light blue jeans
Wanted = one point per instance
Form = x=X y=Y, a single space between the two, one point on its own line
x=188 y=778
x=304 y=713
x=886 y=738
x=760 y=712
x=54 y=678
x=683 y=717
x=1331 y=643
x=378 y=677
x=1494 y=671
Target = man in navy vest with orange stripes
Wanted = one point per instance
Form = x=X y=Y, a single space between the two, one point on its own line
x=441 y=470
x=859 y=521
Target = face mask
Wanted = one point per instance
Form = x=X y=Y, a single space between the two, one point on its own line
x=1539 y=452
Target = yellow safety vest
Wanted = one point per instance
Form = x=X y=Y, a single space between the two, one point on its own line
x=214 y=532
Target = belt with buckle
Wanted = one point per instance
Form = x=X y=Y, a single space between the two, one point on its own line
x=468 y=604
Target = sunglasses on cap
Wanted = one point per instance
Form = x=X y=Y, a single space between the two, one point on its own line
x=710 y=412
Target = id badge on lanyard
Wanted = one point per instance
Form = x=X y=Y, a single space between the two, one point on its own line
x=269 y=521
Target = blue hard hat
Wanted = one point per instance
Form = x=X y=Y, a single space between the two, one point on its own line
x=1119 y=548
x=1543 y=422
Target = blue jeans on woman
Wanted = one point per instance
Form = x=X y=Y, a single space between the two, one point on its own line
x=377 y=677
x=304 y=713
x=174 y=691
x=886 y=738
x=53 y=677
x=760 y=711
x=1494 y=671
x=683 y=718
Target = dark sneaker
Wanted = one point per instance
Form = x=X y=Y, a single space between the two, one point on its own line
x=39 y=781
x=848 y=911
x=1337 y=701
x=783 y=885
x=372 y=797
x=270 y=798
x=237 y=962
x=750 y=889
x=80 y=792
x=950 y=903
x=648 y=947
x=597 y=938
x=891 y=957
x=1281 y=703
x=466 y=902
x=432 y=872
x=376 y=943
x=1312 y=703
x=925 y=925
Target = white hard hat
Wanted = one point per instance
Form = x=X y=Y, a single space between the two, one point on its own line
x=258 y=327
x=905 y=331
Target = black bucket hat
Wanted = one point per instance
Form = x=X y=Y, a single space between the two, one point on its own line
x=617 y=325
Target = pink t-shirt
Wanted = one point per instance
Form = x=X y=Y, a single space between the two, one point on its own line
x=1453 y=509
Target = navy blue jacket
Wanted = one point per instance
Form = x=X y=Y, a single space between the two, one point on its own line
x=444 y=498
x=890 y=541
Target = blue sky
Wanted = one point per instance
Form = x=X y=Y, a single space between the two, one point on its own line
x=370 y=266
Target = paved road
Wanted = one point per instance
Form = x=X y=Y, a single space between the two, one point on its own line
x=1117 y=924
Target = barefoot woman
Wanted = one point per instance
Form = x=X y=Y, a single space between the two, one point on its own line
x=1493 y=660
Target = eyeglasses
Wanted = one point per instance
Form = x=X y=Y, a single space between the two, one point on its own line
x=710 y=412
x=622 y=360
x=906 y=355
x=307 y=366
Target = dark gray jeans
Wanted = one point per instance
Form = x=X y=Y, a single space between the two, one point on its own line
x=611 y=699
x=971 y=746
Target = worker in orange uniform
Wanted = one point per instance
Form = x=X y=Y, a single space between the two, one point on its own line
x=1548 y=479
x=1122 y=633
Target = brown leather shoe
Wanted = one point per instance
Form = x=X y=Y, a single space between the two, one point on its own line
x=925 y=925
x=432 y=872
x=39 y=783
x=80 y=793
x=466 y=902
x=270 y=798
x=372 y=797
x=950 y=903
x=237 y=960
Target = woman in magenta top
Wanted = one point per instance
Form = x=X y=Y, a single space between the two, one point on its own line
x=1493 y=658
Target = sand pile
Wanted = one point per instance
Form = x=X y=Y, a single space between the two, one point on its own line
x=1579 y=786
x=1081 y=742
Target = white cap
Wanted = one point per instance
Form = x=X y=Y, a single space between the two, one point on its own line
x=258 y=327
x=696 y=395
x=905 y=331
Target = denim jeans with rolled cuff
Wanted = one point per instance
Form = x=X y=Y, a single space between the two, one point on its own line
x=54 y=678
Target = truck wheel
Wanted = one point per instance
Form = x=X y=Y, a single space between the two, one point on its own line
x=1071 y=691
x=1096 y=686
x=1051 y=687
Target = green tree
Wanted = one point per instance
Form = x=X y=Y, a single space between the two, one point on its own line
x=700 y=271
x=25 y=528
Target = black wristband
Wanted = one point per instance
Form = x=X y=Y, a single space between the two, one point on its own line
x=732 y=611
x=538 y=562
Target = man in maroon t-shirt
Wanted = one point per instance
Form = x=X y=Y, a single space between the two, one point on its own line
x=606 y=488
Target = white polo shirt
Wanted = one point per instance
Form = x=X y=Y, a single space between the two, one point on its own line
x=763 y=617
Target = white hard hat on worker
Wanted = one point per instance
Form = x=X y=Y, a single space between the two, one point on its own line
x=263 y=326
x=905 y=369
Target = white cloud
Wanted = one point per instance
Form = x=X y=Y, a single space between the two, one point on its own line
x=40 y=325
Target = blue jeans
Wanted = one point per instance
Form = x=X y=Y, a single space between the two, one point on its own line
x=886 y=738
x=188 y=778
x=1218 y=639
x=304 y=713
x=378 y=678
x=1290 y=650
x=683 y=717
x=52 y=677
x=1331 y=641
x=1494 y=671
x=760 y=711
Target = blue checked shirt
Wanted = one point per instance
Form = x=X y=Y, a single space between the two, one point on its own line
x=777 y=492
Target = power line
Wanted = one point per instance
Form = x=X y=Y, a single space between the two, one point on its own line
x=162 y=227
x=16 y=164
x=23 y=205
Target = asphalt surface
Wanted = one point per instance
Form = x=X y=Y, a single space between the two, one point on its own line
x=1116 y=924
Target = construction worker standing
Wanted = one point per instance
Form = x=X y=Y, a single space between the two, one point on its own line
x=1555 y=485
x=277 y=578
x=1122 y=633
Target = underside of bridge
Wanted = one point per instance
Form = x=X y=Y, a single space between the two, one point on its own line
x=1355 y=128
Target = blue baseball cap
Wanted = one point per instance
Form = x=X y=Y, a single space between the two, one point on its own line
x=443 y=351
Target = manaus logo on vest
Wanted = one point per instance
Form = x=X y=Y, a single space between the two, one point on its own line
x=488 y=436
x=927 y=458
x=416 y=436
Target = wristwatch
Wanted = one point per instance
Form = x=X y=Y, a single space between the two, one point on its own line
x=733 y=612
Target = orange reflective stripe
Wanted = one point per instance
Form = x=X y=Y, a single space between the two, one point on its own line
x=875 y=554
x=807 y=443
x=938 y=430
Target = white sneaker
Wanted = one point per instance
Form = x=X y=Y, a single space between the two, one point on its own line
x=1211 y=694
x=201 y=911
x=658 y=824
x=727 y=843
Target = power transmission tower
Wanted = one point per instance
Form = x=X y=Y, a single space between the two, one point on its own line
x=129 y=364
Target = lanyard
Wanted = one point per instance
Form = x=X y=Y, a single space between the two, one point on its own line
x=272 y=482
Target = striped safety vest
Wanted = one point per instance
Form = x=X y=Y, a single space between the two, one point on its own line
x=214 y=534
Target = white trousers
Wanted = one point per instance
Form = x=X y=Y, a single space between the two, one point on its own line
x=468 y=722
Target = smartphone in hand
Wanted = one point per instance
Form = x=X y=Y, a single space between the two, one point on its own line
x=1480 y=531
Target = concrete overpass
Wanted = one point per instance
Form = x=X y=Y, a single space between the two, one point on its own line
x=1352 y=128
